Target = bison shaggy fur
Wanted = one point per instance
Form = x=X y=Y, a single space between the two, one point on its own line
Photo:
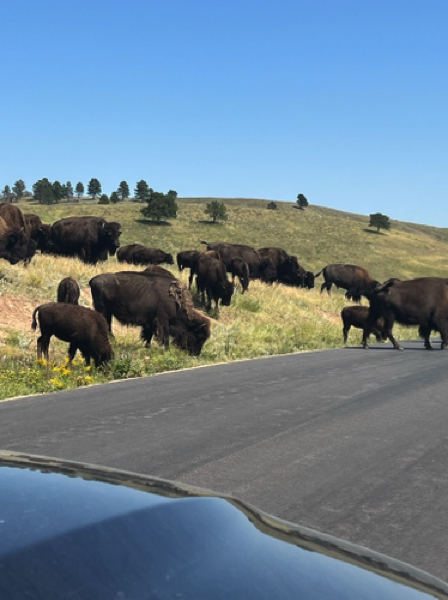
x=160 y=305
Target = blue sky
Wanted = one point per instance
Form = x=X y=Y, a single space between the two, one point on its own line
x=344 y=101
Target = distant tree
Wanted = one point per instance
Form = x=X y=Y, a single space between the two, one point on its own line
x=43 y=191
x=104 y=199
x=79 y=189
x=18 y=188
x=7 y=193
x=216 y=210
x=142 y=191
x=160 y=206
x=379 y=221
x=58 y=191
x=302 y=202
x=114 y=198
x=94 y=188
x=272 y=206
x=172 y=193
x=69 y=189
x=123 y=190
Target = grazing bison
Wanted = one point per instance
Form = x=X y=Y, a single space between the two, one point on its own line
x=238 y=268
x=14 y=243
x=356 y=316
x=283 y=267
x=185 y=258
x=84 y=329
x=39 y=232
x=356 y=280
x=13 y=216
x=422 y=302
x=259 y=268
x=212 y=280
x=68 y=291
x=160 y=305
x=137 y=254
x=190 y=259
x=92 y=239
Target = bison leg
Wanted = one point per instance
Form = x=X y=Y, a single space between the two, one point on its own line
x=424 y=331
x=326 y=286
x=72 y=351
x=147 y=333
x=190 y=279
x=345 y=331
x=443 y=328
x=377 y=333
x=43 y=342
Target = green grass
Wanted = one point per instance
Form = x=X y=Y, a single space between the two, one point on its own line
x=267 y=320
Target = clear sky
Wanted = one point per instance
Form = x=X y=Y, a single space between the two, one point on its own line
x=345 y=101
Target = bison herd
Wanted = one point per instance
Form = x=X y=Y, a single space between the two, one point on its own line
x=161 y=304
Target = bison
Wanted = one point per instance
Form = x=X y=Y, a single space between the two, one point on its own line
x=92 y=239
x=356 y=316
x=212 y=280
x=137 y=254
x=238 y=268
x=282 y=266
x=356 y=280
x=84 y=329
x=40 y=232
x=258 y=267
x=14 y=243
x=190 y=259
x=157 y=270
x=422 y=301
x=68 y=291
x=160 y=305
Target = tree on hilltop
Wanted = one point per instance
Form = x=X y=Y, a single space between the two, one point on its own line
x=302 y=202
x=79 y=189
x=94 y=188
x=142 y=191
x=160 y=206
x=379 y=221
x=123 y=190
x=18 y=188
x=216 y=210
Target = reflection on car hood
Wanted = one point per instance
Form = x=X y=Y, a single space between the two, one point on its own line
x=69 y=530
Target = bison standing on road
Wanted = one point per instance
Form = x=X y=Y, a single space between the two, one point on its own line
x=84 y=329
x=422 y=302
x=212 y=280
x=160 y=305
x=356 y=316
x=356 y=280
x=68 y=291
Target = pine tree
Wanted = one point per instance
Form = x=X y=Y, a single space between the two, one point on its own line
x=216 y=210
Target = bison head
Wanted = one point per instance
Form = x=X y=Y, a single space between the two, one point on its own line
x=227 y=291
x=17 y=246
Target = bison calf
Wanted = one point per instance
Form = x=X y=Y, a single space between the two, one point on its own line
x=68 y=291
x=356 y=316
x=84 y=329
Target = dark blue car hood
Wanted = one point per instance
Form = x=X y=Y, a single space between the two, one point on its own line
x=73 y=531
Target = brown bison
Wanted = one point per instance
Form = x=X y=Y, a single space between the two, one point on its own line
x=212 y=281
x=238 y=268
x=84 y=329
x=14 y=243
x=422 y=302
x=92 y=239
x=356 y=316
x=68 y=291
x=283 y=267
x=190 y=259
x=40 y=232
x=160 y=305
x=259 y=268
x=137 y=254
x=356 y=280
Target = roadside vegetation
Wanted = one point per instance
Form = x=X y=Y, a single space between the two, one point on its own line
x=267 y=320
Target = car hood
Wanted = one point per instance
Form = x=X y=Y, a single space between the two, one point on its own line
x=71 y=530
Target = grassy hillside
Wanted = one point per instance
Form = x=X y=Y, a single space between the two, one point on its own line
x=268 y=320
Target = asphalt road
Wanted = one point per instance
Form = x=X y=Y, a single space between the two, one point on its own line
x=350 y=442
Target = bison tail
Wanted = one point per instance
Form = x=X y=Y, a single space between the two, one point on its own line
x=202 y=242
x=317 y=274
x=34 y=321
